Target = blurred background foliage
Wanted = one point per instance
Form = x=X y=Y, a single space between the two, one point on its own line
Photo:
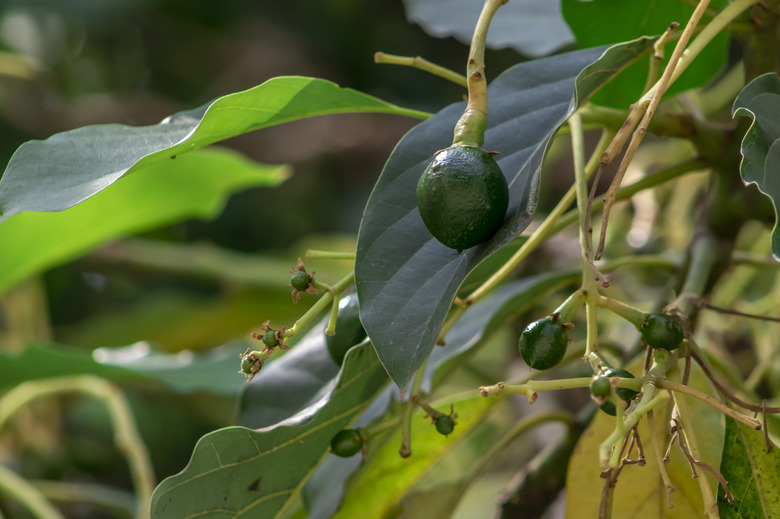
x=82 y=62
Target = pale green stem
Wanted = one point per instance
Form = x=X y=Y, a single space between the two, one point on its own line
x=307 y=318
x=15 y=487
x=545 y=229
x=334 y=313
x=126 y=435
x=707 y=399
x=627 y=312
x=532 y=387
x=470 y=129
x=648 y=402
x=422 y=64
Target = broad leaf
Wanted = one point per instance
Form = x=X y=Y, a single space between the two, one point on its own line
x=69 y=167
x=388 y=478
x=628 y=20
x=760 y=100
x=640 y=492
x=194 y=185
x=290 y=384
x=488 y=315
x=533 y=27
x=753 y=475
x=405 y=278
x=240 y=472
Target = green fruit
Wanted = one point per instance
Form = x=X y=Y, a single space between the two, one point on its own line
x=600 y=386
x=346 y=443
x=246 y=365
x=543 y=343
x=662 y=331
x=269 y=338
x=445 y=425
x=300 y=280
x=625 y=394
x=462 y=196
x=349 y=329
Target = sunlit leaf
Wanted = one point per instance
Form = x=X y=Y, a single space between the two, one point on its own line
x=69 y=167
x=240 y=472
x=628 y=20
x=406 y=279
x=640 y=492
x=193 y=185
x=760 y=100
x=753 y=474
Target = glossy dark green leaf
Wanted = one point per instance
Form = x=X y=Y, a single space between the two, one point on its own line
x=239 y=472
x=533 y=27
x=405 y=278
x=488 y=315
x=753 y=475
x=760 y=100
x=290 y=384
x=604 y=22
x=69 y=167
x=194 y=185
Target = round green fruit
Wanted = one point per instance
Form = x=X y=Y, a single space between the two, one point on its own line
x=246 y=365
x=349 y=329
x=346 y=443
x=445 y=425
x=543 y=343
x=625 y=394
x=269 y=338
x=600 y=386
x=662 y=331
x=300 y=280
x=462 y=196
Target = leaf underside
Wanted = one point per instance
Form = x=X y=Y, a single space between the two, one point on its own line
x=69 y=167
x=405 y=278
x=760 y=100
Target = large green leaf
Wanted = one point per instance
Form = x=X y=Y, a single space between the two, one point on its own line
x=760 y=100
x=753 y=475
x=239 y=472
x=69 y=167
x=389 y=477
x=193 y=185
x=405 y=278
x=533 y=27
x=628 y=20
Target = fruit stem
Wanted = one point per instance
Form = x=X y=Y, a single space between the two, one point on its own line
x=422 y=64
x=470 y=129
x=665 y=383
x=627 y=312
x=306 y=319
x=334 y=312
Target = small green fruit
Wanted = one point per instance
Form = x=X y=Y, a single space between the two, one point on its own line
x=349 y=329
x=600 y=386
x=462 y=196
x=625 y=394
x=346 y=443
x=543 y=343
x=269 y=338
x=246 y=365
x=300 y=280
x=445 y=425
x=662 y=331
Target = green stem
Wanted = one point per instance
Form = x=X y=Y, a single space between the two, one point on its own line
x=699 y=270
x=334 y=312
x=126 y=435
x=532 y=387
x=422 y=64
x=470 y=129
x=17 y=488
x=627 y=312
x=707 y=399
x=307 y=318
